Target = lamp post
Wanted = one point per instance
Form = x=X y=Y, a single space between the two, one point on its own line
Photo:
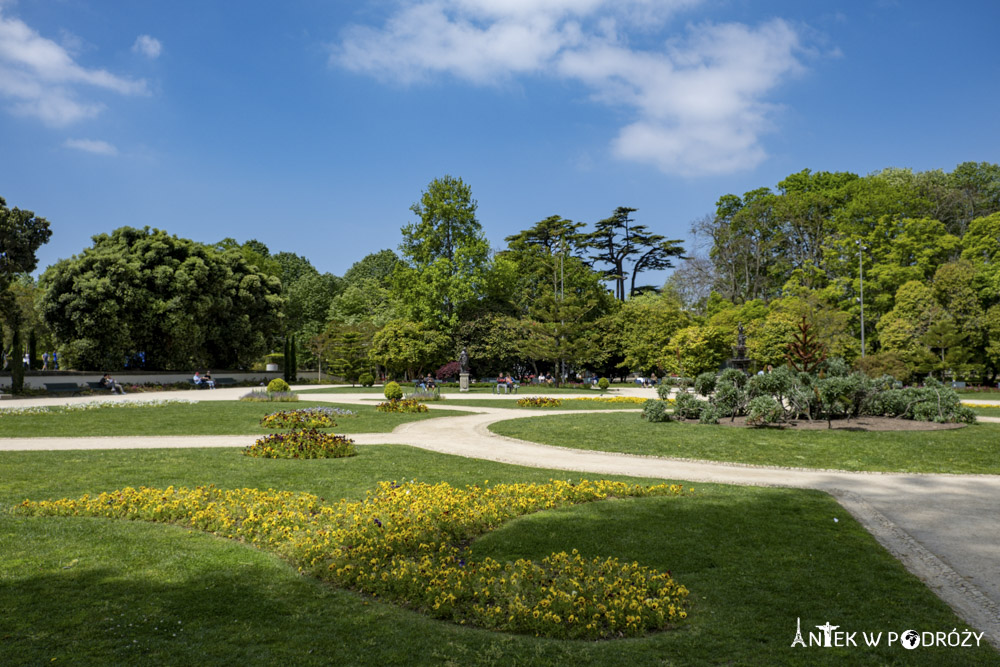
x=861 y=274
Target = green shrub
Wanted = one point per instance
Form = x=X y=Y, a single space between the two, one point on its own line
x=709 y=415
x=687 y=406
x=663 y=390
x=366 y=380
x=393 y=391
x=729 y=399
x=603 y=384
x=762 y=411
x=277 y=385
x=704 y=384
x=655 y=411
x=426 y=395
x=734 y=376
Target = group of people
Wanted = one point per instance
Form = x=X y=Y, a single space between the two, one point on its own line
x=427 y=382
x=109 y=383
x=201 y=381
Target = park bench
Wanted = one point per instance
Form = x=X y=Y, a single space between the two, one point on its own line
x=63 y=387
x=200 y=385
x=501 y=388
x=96 y=386
x=225 y=382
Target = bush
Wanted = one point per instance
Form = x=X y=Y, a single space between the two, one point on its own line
x=366 y=380
x=401 y=405
x=709 y=415
x=704 y=384
x=258 y=396
x=425 y=395
x=688 y=407
x=729 y=399
x=277 y=385
x=603 y=384
x=655 y=411
x=763 y=411
x=449 y=371
x=663 y=390
x=393 y=391
x=734 y=376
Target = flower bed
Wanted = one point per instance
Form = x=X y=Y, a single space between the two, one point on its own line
x=261 y=396
x=538 y=402
x=402 y=543
x=94 y=405
x=611 y=399
x=302 y=444
x=305 y=418
x=401 y=405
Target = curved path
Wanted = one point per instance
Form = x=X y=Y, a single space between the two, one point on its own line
x=944 y=528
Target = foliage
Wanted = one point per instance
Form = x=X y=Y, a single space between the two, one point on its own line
x=401 y=405
x=414 y=532
x=763 y=411
x=603 y=384
x=257 y=396
x=449 y=371
x=302 y=444
x=393 y=391
x=646 y=323
x=406 y=348
x=805 y=353
x=366 y=380
x=160 y=302
x=277 y=385
x=424 y=395
x=696 y=349
x=304 y=418
x=686 y=406
x=538 y=402
x=704 y=384
x=655 y=411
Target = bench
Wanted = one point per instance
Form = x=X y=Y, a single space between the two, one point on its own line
x=63 y=387
x=200 y=385
x=225 y=382
x=501 y=388
x=96 y=386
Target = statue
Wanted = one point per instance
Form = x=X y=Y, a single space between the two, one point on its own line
x=463 y=361
x=741 y=339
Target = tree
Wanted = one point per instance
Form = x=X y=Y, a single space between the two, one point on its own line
x=805 y=352
x=447 y=255
x=21 y=235
x=160 y=302
x=646 y=324
x=345 y=348
x=406 y=348
x=617 y=238
x=695 y=350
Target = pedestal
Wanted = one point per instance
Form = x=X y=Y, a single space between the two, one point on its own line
x=463 y=382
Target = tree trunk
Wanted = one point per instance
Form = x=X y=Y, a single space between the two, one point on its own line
x=17 y=364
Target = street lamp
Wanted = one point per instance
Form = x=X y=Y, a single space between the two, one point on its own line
x=861 y=274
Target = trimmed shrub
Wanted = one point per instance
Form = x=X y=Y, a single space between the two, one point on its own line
x=393 y=391
x=663 y=390
x=687 y=406
x=734 y=376
x=603 y=384
x=366 y=380
x=277 y=385
x=704 y=384
x=763 y=411
x=655 y=411
x=709 y=415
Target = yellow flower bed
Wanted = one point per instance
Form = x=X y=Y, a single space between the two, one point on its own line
x=538 y=402
x=611 y=399
x=401 y=543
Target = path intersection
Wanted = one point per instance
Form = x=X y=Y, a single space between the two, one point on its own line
x=944 y=528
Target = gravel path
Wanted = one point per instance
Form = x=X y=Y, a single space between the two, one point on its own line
x=944 y=528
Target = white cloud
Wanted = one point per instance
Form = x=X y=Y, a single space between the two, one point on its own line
x=147 y=46
x=42 y=80
x=91 y=146
x=698 y=100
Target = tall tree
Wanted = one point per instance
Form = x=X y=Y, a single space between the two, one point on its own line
x=447 y=256
x=22 y=233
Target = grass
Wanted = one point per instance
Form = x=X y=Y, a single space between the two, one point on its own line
x=527 y=390
x=567 y=404
x=92 y=591
x=205 y=418
x=972 y=449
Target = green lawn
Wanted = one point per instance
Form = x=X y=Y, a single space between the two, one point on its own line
x=973 y=449
x=91 y=591
x=205 y=418
x=408 y=387
x=567 y=404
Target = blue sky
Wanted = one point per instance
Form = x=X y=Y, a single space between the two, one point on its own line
x=313 y=126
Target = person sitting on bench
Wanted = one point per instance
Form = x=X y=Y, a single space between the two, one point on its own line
x=107 y=382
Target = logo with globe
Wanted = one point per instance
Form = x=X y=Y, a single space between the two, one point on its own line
x=910 y=639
